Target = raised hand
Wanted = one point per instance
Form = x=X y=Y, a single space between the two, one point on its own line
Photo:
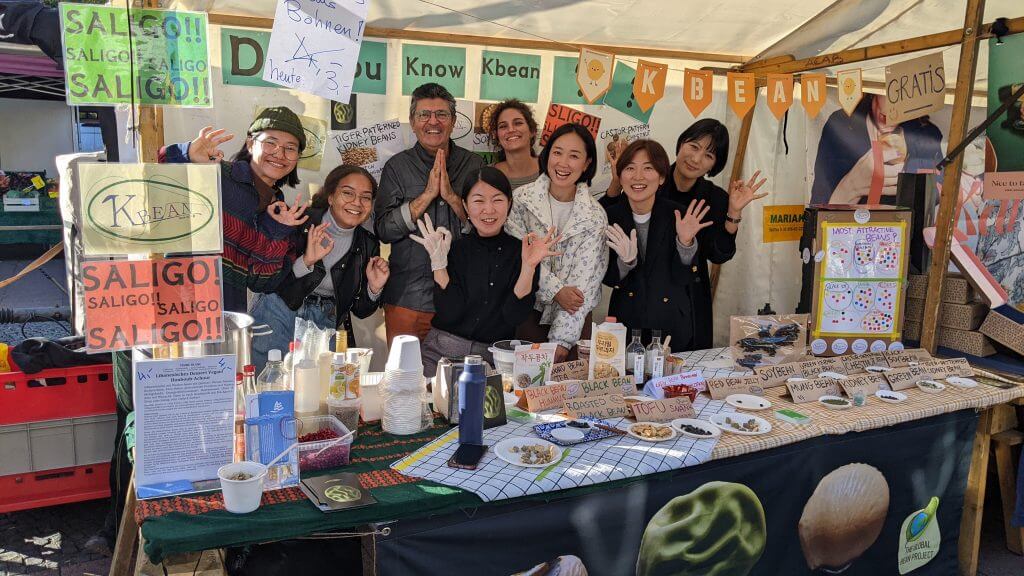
x=624 y=246
x=289 y=215
x=688 y=226
x=536 y=248
x=377 y=273
x=318 y=244
x=205 y=149
x=436 y=242
x=742 y=193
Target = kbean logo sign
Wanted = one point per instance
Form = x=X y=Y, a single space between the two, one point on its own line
x=144 y=209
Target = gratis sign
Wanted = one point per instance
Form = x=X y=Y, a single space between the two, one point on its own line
x=152 y=57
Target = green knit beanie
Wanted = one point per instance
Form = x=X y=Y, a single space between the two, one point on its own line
x=279 y=118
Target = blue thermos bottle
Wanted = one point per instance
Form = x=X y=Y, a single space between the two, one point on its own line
x=472 y=384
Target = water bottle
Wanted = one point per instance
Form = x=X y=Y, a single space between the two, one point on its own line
x=272 y=377
x=472 y=384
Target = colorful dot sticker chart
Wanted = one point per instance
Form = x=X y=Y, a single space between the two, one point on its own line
x=859 y=283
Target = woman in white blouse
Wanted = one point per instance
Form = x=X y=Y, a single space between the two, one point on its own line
x=570 y=284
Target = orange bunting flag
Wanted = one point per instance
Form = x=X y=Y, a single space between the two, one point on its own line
x=850 y=89
x=697 y=87
x=594 y=74
x=780 y=94
x=649 y=84
x=812 y=93
x=742 y=92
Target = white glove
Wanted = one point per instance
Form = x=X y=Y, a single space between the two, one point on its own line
x=624 y=246
x=436 y=242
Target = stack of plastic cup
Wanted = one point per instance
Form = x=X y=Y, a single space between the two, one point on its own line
x=401 y=390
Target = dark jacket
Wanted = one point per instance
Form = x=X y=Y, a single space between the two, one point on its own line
x=351 y=292
x=661 y=292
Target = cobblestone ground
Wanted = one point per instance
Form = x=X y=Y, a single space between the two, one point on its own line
x=52 y=540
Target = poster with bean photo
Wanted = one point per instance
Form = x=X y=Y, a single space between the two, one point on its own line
x=370 y=146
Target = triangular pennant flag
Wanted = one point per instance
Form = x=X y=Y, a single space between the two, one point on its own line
x=697 y=89
x=649 y=85
x=742 y=92
x=594 y=74
x=812 y=93
x=850 y=89
x=780 y=94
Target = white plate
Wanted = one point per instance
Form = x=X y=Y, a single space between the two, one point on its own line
x=639 y=437
x=504 y=451
x=877 y=369
x=764 y=426
x=900 y=396
x=939 y=387
x=747 y=402
x=702 y=424
x=833 y=375
x=797 y=379
x=848 y=403
x=566 y=434
x=960 y=382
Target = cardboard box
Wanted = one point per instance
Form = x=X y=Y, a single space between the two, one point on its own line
x=1005 y=325
x=956 y=290
x=858 y=254
x=911 y=330
x=958 y=316
x=966 y=341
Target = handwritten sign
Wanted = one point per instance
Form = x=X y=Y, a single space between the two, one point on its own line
x=624 y=386
x=168 y=52
x=811 y=390
x=811 y=368
x=867 y=384
x=539 y=398
x=559 y=115
x=952 y=367
x=604 y=406
x=655 y=388
x=903 y=378
x=314 y=46
x=719 y=388
x=370 y=146
x=858 y=363
x=663 y=410
x=771 y=376
x=902 y=358
x=915 y=88
x=575 y=370
x=150 y=302
x=150 y=208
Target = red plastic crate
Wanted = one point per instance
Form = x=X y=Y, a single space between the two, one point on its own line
x=69 y=393
x=52 y=487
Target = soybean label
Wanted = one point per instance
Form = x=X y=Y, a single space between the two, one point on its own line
x=168 y=51
x=776 y=375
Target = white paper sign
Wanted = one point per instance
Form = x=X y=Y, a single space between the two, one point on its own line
x=370 y=146
x=184 y=419
x=314 y=46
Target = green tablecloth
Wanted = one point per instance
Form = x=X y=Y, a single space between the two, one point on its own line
x=48 y=215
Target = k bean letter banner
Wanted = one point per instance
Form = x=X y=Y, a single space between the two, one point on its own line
x=622 y=96
x=167 y=50
x=445 y=65
x=594 y=74
x=314 y=46
x=152 y=302
x=697 y=90
x=509 y=75
x=150 y=208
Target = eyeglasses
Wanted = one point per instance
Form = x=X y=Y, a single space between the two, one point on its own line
x=441 y=115
x=349 y=196
x=272 y=147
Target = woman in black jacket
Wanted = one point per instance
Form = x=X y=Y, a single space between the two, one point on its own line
x=334 y=240
x=655 y=266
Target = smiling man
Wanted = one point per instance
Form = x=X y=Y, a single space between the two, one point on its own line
x=420 y=181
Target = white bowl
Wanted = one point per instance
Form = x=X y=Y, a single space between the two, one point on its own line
x=938 y=386
x=242 y=496
x=833 y=375
x=891 y=396
x=763 y=426
x=678 y=424
x=961 y=382
x=845 y=406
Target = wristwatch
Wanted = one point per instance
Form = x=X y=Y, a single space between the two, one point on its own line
x=733 y=220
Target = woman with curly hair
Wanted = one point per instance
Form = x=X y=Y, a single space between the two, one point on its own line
x=513 y=132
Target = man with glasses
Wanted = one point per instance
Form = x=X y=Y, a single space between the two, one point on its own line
x=420 y=183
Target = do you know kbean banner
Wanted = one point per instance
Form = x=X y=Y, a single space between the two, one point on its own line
x=156 y=57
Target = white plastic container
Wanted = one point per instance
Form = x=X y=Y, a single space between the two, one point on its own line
x=242 y=496
x=307 y=387
x=504 y=353
x=404 y=354
x=370 y=387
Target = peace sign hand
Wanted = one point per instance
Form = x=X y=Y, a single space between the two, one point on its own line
x=536 y=248
x=318 y=244
x=742 y=193
x=205 y=149
x=436 y=242
x=688 y=226
x=289 y=215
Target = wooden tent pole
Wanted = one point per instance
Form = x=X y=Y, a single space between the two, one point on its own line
x=737 y=173
x=151 y=120
x=944 y=220
x=843 y=57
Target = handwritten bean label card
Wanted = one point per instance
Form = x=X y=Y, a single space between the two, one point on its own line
x=604 y=406
x=811 y=390
x=858 y=363
x=772 y=376
x=579 y=389
x=719 y=388
x=903 y=378
x=663 y=410
x=867 y=384
x=952 y=367
x=539 y=398
x=575 y=370
x=811 y=368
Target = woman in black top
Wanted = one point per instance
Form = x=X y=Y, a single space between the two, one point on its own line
x=483 y=285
